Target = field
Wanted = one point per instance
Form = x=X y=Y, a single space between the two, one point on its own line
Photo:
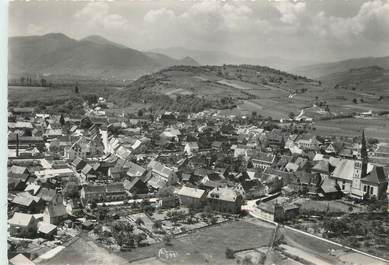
x=209 y=245
x=374 y=128
x=41 y=94
x=84 y=251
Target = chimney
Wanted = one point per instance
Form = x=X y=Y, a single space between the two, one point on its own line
x=17 y=145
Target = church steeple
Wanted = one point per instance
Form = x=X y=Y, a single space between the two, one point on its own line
x=364 y=155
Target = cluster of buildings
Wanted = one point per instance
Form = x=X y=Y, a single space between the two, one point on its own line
x=60 y=165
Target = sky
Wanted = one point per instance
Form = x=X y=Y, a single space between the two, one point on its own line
x=311 y=30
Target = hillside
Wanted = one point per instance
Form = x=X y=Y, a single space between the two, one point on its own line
x=325 y=69
x=373 y=80
x=94 y=56
x=189 y=88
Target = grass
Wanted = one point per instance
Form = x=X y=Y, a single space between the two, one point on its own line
x=209 y=244
x=85 y=252
x=374 y=128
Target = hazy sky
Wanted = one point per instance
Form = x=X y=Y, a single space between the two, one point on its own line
x=305 y=30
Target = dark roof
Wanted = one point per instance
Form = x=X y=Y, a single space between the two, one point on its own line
x=254 y=184
x=323 y=166
x=128 y=185
x=376 y=176
x=77 y=162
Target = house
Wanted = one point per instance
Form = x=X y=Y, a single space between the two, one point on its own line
x=275 y=138
x=344 y=173
x=32 y=188
x=225 y=199
x=334 y=148
x=20 y=259
x=266 y=211
x=285 y=212
x=26 y=202
x=136 y=186
x=85 y=147
x=308 y=142
x=309 y=183
x=134 y=170
x=262 y=160
x=253 y=189
x=291 y=167
x=375 y=183
x=191 y=147
x=166 y=173
x=78 y=163
x=123 y=152
x=22 y=225
x=102 y=193
x=191 y=197
x=119 y=170
x=18 y=172
x=48 y=195
x=55 y=211
x=47 y=230
x=240 y=150
x=217 y=145
x=87 y=170
x=328 y=189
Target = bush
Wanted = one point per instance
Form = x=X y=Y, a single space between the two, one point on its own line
x=230 y=253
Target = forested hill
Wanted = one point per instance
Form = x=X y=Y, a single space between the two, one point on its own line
x=194 y=88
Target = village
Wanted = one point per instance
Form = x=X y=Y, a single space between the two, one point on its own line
x=130 y=181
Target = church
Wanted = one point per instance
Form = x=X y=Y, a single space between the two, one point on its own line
x=360 y=179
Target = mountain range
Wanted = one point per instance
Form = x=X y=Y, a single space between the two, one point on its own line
x=93 y=56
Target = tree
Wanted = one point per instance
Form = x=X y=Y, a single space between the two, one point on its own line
x=372 y=141
x=43 y=82
x=229 y=253
x=140 y=112
x=94 y=204
x=292 y=115
x=157 y=225
x=355 y=101
x=71 y=190
x=76 y=89
x=62 y=120
x=168 y=240
x=139 y=221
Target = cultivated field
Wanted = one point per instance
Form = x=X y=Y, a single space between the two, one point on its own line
x=374 y=128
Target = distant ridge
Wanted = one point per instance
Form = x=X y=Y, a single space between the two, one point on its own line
x=93 y=56
x=325 y=69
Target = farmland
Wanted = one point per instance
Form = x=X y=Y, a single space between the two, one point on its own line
x=374 y=128
x=245 y=89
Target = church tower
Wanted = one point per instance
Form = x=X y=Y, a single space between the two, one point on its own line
x=364 y=155
x=360 y=169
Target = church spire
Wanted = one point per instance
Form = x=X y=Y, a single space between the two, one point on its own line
x=364 y=155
